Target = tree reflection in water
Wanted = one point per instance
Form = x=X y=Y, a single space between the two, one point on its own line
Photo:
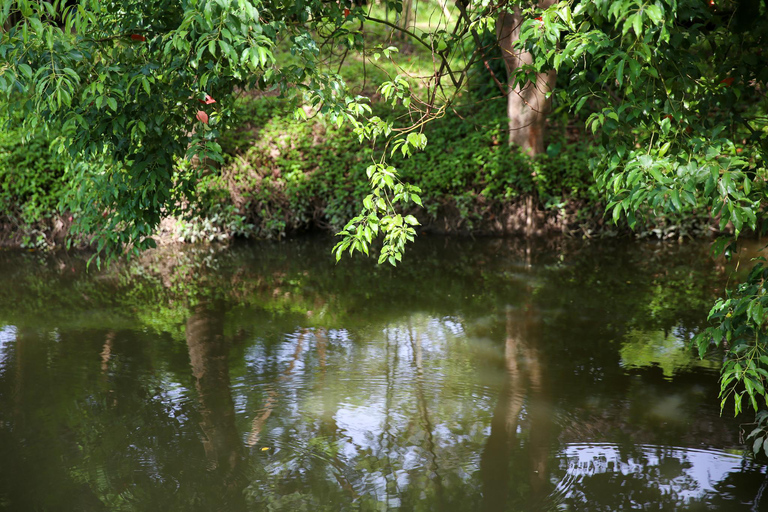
x=668 y=477
x=494 y=384
x=209 y=358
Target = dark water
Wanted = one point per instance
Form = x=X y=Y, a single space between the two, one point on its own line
x=480 y=375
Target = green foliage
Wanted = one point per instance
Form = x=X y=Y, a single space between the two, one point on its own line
x=481 y=75
x=286 y=175
x=670 y=103
x=398 y=230
x=676 y=91
x=32 y=184
x=759 y=435
x=740 y=321
x=132 y=89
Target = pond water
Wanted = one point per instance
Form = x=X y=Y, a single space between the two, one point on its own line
x=489 y=375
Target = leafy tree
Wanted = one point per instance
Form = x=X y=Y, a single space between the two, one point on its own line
x=677 y=93
x=528 y=101
x=136 y=86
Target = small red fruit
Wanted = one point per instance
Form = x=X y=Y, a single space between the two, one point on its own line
x=138 y=37
x=346 y=12
x=202 y=117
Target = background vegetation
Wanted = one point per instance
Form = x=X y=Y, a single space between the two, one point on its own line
x=282 y=175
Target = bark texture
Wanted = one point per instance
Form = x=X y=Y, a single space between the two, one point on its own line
x=527 y=104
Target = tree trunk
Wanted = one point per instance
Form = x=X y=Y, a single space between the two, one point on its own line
x=527 y=105
x=405 y=17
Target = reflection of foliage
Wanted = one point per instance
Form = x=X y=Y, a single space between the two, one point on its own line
x=664 y=477
x=300 y=281
x=371 y=402
x=659 y=348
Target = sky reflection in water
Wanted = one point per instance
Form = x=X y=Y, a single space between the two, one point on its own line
x=482 y=375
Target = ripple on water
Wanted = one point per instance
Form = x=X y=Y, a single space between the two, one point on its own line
x=7 y=336
x=286 y=455
x=603 y=476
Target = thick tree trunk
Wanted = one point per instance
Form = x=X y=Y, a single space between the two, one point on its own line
x=527 y=105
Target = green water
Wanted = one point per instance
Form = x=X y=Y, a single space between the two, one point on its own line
x=480 y=375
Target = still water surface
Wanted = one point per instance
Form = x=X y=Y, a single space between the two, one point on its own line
x=479 y=376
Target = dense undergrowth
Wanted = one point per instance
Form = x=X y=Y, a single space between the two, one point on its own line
x=282 y=176
x=32 y=188
x=286 y=175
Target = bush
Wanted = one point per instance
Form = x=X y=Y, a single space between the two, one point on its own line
x=31 y=185
x=286 y=175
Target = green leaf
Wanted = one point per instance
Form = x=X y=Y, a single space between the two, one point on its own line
x=25 y=70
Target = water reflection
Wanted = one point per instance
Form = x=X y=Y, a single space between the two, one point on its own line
x=7 y=337
x=209 y=359
x=668 y=350
x=669 y=477
x=505 y=382
x=522 y=387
